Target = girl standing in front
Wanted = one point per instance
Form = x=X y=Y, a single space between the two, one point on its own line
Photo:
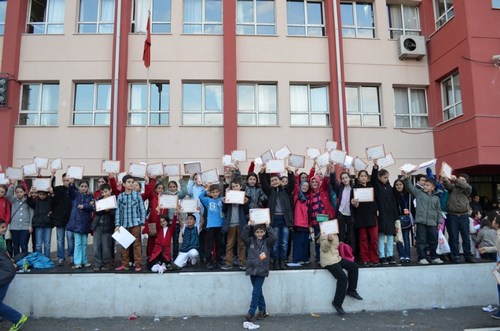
x=404 y=202
x=20 y=223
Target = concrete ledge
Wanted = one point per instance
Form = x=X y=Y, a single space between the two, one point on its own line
x=229 y=293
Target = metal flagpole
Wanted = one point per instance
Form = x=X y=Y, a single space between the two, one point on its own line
x=148 y=93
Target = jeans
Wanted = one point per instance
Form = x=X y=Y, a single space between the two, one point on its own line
x=103 y=245
x=455 y=225
x=7 y=312
x=80 y=255
x=257 y=295
x=427 y=238
x=20 y=239
x=345 y=282
x=404 y=248
x=382 y=251
x=300 y=245
x=71 y=243
x=60 y=233
x=42 y=238
x=281 y=244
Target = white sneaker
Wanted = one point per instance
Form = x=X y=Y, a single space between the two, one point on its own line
x=424 y=262
x=250 y=325
x=194 y=261
x=437 y=261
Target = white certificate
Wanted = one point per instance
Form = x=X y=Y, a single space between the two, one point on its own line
x=30 y=169
x=192 y=168
x=386 y=161
x=330 y=145
x=109 y=166
x=106 y=203
x=348 y=161
x=123 y=237
x=120 y=176
x=260 y=215
x=274 y=166
x=446 y=170
x=56 y=164
x=155 y=169
x=239 y=155
x=296 y=161
x=172 y=169
x=14 y=173
x=267 y=156
x=41 y=162
x=210 y=176
x=338 y=156
x=329 y=227
x=375 y=152
x=258 y=161
x=360 y=164
x=282 y=153
x=312 y=152
x=226 y=160
x=237 y=197
x=323 y=160
x=3 y=180
x=42 y=184
x=75 y=172
x=168 y=201
x=427 y=164
x=189 y=205
x=408 y=168
x=364 y=194
x=137 y=170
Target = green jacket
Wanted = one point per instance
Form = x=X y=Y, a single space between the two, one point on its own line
x=428 y=211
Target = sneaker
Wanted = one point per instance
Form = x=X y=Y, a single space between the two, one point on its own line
x=96 y=269
x=71 y=261
x=401 y=260
x=107 y=267
x=242 y=267
x=383 y=261
x=391 y=260
x=423 y=262
x=339 y=309
x=87 y=265
x=407 y=260
x=470 y=259
x=121 y=268
x=367 y=264
x=496 y=316
x=250 y=326
x=77 y=266
x=19 y=324
x=248 y=317
x=489 y=309
x=262 y=314
x=138 y=268
x=210 y=266
x=455 y=259
x=354 y=294
x=60 y=262
x=376 y=264
x=437 y=261
x=226 y=267
x=194 y=261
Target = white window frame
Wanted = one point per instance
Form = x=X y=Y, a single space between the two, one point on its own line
x=306 y=24
x=94 y=111
x=203 y=112
x=448 y=14
x=44 y=27
x=148 y=112
x=255 y=24
x=355 y=19
x=142 y=21
x=39 y=112
x=204 y=23
x=404 y=30
x=454 y=109
x=99 y=23
x=361 y=108
x=411 y=112
x=310 y=113
x=256 y=111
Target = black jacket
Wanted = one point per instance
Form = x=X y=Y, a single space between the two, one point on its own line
x=284 y=194
x=41 y=212
x=257 y=266
x=61 y=206
x=387 y=206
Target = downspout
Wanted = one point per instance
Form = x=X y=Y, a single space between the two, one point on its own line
x=339 y=76
x=115 y=79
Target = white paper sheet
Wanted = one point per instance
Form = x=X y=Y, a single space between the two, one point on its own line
x=75 y=172
x=408 y=168
x=137 y=170
x=110 y=166
x=155 y=169
x=260 y=215
x=375 y=152
x=192 y=168
x=297 y=161
x=41 y=162
x=123 y=237
x=3 y=179
x=360 y=164
x=189 y=205
x=330 y=145
x=30 y=170
x=386 y=161
x=172 y=170
x=226 y=160
x=42 y=184
x=210 y=176
x=427 y=164
x=14 y=173
x=364 y=194
x=267 y=156
x=106 y=203
x=312 y=152
x=348 y=161
x=282 y=153
x=274 y=166
x=329 y=227
x=239 y=155
x=323 y=160
x=446 y=170
x=56 y=164
x=168 y=201
x=338 y=156
x=237 y=197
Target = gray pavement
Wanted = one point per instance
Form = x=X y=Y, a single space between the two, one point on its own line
x=466 y=318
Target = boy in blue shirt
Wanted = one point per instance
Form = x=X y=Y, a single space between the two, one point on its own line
x=215 y=218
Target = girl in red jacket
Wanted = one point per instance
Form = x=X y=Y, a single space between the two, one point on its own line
x=152 y=191
x=302 y=224
x=161 y=253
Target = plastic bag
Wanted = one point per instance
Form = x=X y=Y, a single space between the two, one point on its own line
x=442 y=247
x=399 y=233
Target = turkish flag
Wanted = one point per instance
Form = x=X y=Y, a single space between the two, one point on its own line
x=146 y=55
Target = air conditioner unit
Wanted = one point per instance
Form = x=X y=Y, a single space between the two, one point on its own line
x=411 y=47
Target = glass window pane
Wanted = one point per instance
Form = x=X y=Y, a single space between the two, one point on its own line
x=31 y=93
x=103 y=96
x=266 y=29
x=213 y=11
x=370 y=100
x=192 y=28
x=268 y=119
x=319 y=120
x=50 y=97
x=456 y=85
x=351 y=94
x=318 y=32
x=346 y=13
x=319 y=99
x=158 y=119
x=102 y=119
x=418 y=102
x=299 y=119
x=160 y=28
x=295 y=12
x=87 y=28
x=244 y=11
x=296 y=31
x=191 y=119
x=138 y=97
x=245 y=29
x=364 y=15
x=88 y=10
x=106 y=28
x=213 y=29
x=213 y=119
x=348 y=33
x=371 y=120
x=107 y=10
x=401 y=101
x=366 y=33
x=246 y=97
x=160 y=97
x=48 y=119
x=265 y=11
x=191 y=97
x=28 y=119
x=458 y=109
x=137 y=118
x=82 y=119
x=267 y=98
x=247 y=119
x=447 y=92
x=161 y=11
x=353 y=120
x=402 y=121
x=298 y=99
x=192 y=11
x=84 y=97
x=420 y=122
x=213 y=97
x=3 y=10
x=314 y=13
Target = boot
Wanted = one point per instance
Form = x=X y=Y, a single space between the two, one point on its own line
x=282 y=265
x=276 y=265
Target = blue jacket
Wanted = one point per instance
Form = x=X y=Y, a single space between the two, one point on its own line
x=80 y=219
x=215 y=218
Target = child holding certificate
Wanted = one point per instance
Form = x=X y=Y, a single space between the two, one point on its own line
x=190 y=243
x=255 y=195
x=302 y=222
x=152 y=191
x=215 y=218
x=343 y=190
x=41 y=203
x=161 y=253
x=102 y=227
x=20 y=219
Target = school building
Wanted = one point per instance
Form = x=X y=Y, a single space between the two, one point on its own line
x=420 y=77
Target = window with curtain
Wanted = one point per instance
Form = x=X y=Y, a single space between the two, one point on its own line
x=46 y=16
x=160 y=15
x=410 y=108
x=202 y=104
x=363 y=106
x=202 y=17
x=255 y=17
x=357 y=19
x=309 y=105
x=39 y=104
x=3 y=10
x=257 y=104
x=451 y=95
x=305 y=18
x=159 y=104
x=92 y=104
x=443 y=10
x=96 y=16
x=403 y=20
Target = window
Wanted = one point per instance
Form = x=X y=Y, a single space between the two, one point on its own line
x=46 y=17
x=203 y=16
x=202 y=104
x=452 y=97
x=92 y=104
x=410 y=108
x=96 y=16
x=444 y=11
x=357 y=20
x=363 y=107
x=305 y=18
x=3 y=10
x=159 y=104
x=257 y=104
x=255 y=17
x=403 y=20
x=309 y=105
x=160 y=15
x=39 y=104
x=495 y=4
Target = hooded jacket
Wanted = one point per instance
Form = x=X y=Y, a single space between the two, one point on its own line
x=284 y=194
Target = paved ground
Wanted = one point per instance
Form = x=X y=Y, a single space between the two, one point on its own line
x=439 y=319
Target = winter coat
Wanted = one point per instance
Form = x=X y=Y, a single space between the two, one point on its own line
x=152 y=197
x=302 y=209
x=365 y=215
x=329 y=251
x=324 y=194
x=104 y=219
x=255 y=265
x=162 y=243
x=5 y=209
x=41 y=212
x=256 y=196
x=458 y=197
x=387 y=206
x=227 y=209
x=428 y=205
x=80 y=219
x=284 y=194
x=61 y=206
x=21 y=213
